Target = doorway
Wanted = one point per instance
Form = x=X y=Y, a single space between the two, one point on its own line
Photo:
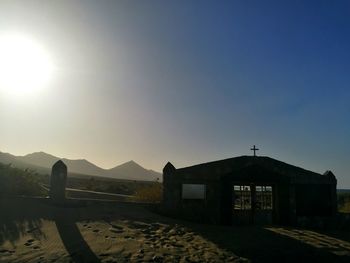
x=252 y=204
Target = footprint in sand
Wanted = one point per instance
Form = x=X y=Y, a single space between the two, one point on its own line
x=5 y=251
x=118 y=231
x=32 y=230
x=139 y=226
x=104 y=255
x=117 y=227
x=152 y=239
x=29 y=242
x=96 y=230
x=147 y=231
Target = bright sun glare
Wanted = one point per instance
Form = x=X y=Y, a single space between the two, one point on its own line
x=25 y=66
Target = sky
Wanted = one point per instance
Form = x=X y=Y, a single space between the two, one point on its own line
x=185 y=82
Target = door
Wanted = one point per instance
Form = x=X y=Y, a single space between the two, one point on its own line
x=252 y=204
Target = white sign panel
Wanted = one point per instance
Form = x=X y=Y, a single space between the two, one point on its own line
x=193 y=191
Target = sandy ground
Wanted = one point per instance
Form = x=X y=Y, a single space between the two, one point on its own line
x=32 y=230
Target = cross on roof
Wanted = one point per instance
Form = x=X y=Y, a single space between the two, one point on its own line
x=254 y=149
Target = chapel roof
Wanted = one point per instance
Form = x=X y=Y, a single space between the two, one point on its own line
x=226 y=166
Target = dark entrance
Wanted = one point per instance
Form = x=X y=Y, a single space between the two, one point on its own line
x=252 y=204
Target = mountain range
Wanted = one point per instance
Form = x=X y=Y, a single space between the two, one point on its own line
x=42 y=163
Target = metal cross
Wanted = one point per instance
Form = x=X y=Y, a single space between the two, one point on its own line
x=254 y=149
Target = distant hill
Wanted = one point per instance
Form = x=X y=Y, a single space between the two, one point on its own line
x=47 y=160
x=7 y=158
x=39 y=158
x=42 y=162
x=132 y=170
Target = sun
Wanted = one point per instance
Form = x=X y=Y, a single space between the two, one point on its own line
x=25 y=66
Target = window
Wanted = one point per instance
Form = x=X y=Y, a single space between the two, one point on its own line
x=242 y=197
x=193 y=191
x=263 y=197
x=245 y=194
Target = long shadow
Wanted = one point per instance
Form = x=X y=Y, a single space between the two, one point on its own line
x=11 y=230
x=14 y=223
x=74 y=242
x=24 y=216
x=261 y=244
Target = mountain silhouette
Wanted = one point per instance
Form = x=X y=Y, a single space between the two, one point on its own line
x=42 y=163
x=47 y=160
x=130 y=170
x=16 y=161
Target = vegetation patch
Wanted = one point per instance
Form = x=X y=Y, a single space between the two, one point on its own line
x=107 y=185
x=14 y=181
x=151 y=193
x=344 y=202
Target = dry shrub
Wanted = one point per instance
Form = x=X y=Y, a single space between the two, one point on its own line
x=344 y=202
x=14 y=181
x=152 y=193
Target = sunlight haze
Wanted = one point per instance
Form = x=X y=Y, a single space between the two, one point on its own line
x=25 y=67
x=180 y=81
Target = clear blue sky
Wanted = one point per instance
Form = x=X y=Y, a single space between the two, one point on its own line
x=188 y=82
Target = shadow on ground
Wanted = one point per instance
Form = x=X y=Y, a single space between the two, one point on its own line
x=73 y=241
x=256 y=243
x=277 y=244
x=23 y=216
x=14 y=222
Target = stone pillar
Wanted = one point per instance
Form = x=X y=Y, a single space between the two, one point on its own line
x=58 y=182
x=170 y=188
